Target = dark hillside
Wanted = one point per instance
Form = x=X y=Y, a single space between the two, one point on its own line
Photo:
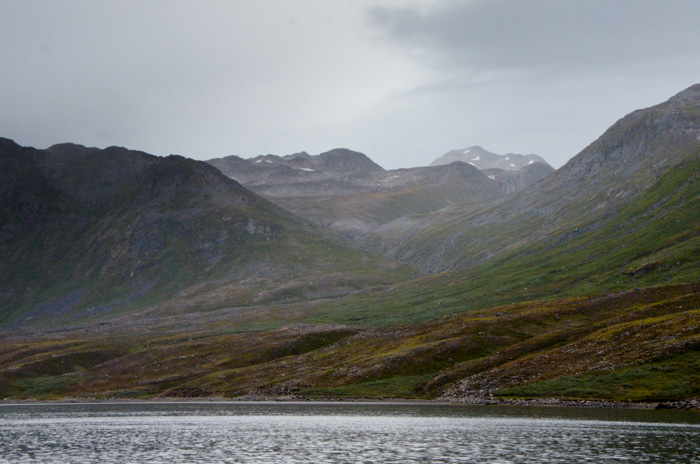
x=87 y=233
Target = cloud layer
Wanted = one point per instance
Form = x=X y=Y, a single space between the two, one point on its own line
x=543 y=35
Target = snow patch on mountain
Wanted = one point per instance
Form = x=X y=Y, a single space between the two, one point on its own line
x=483 y=159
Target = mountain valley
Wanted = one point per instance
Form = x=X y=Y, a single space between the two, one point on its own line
x=346 y=192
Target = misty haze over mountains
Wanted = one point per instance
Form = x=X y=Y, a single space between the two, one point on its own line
x=239 y=230
x=347 y=192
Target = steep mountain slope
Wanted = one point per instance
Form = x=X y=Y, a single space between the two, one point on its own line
x=482 y=159
x=583 y=196
x=653 y=240
x=89 y=233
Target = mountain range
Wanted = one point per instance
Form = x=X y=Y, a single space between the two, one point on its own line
x=129 y=275
x=346 y=192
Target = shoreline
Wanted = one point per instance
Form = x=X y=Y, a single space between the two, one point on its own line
x=682 y=405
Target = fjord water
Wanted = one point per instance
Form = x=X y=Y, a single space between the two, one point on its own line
x=320 y=433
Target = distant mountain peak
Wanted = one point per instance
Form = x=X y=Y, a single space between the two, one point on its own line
x=339 y=161
x=301 y=154
x=345 y=159
x=483 y=159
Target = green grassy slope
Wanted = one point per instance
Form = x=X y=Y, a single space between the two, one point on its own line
x=586 y=193
x=636 y=345
x=653 y=240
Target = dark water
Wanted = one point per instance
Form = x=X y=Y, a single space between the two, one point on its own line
x=276 y=433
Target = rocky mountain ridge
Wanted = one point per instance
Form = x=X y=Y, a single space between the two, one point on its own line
x=339 y=160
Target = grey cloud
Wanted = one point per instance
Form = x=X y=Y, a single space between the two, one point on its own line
x=543 y=34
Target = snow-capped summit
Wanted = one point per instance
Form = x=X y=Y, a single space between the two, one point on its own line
x=482 y=159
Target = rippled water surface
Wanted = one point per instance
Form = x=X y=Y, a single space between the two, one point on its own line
x=341 y=433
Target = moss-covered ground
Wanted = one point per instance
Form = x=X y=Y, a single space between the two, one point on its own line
x=640 y=344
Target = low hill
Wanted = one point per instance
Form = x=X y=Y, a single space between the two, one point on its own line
x=640 y=345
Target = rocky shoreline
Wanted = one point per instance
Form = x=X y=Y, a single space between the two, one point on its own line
x=686 y=405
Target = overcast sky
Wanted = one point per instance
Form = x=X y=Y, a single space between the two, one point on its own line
x=402 y=81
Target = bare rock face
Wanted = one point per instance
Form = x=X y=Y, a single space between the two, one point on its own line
x=482 y=159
